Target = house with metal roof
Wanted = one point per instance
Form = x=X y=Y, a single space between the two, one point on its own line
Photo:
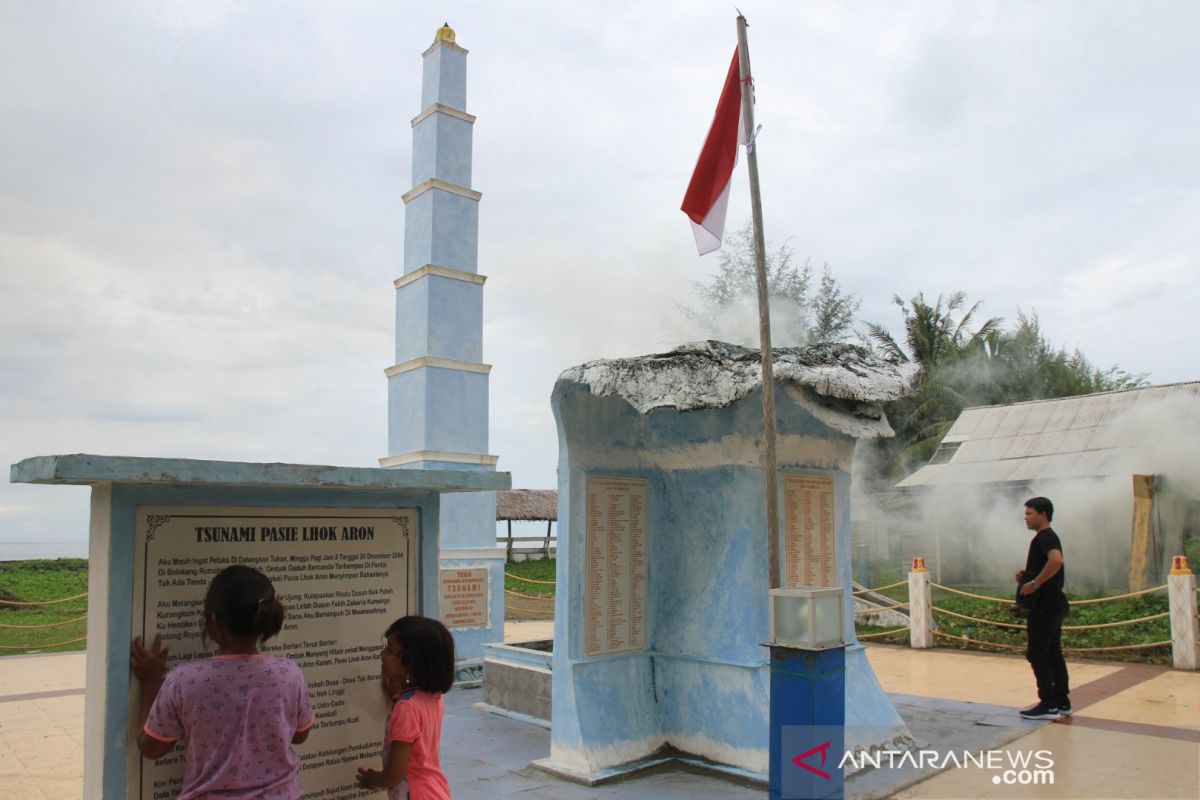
x=1089 y=436
x=1102 y=458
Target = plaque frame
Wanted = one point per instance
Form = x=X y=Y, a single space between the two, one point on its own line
x=639 y=593
x=148 y=519
x=794 y=545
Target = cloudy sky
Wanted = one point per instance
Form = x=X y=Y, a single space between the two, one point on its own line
x=200 y=214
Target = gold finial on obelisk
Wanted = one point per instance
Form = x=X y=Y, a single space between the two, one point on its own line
x=444 y=34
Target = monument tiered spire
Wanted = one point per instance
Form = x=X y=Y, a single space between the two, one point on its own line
x=438 y=384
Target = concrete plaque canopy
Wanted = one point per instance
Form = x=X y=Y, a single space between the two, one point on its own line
x=85 y=469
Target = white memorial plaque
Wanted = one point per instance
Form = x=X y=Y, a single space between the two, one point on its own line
x=614 y=588
x=464 y=598
x=343 y=574
x=809 y=543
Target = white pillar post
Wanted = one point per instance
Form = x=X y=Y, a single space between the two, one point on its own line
x=920 y=615
x=1185 y=635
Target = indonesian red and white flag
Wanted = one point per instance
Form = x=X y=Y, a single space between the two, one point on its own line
x=707 y=196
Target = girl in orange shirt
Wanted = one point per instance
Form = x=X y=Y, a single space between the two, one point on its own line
x=418 y=668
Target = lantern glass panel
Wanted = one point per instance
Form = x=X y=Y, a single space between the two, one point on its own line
x=809 y=619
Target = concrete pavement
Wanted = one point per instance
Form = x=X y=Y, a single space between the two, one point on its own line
x=1135 y=733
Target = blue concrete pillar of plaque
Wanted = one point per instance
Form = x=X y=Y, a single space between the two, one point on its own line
x=808 y=700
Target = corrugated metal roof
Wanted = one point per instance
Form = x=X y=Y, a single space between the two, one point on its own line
x=1087 y=436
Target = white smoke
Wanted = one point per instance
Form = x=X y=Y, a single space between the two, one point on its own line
x=975 y=534
x=737 y=323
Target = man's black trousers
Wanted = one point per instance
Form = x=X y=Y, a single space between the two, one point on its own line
x=1044 y=651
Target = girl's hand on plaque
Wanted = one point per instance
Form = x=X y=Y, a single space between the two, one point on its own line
x=367 y=778
x=148 y=664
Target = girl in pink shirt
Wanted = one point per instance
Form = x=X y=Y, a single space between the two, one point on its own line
x=418 y=668
x=239 y=712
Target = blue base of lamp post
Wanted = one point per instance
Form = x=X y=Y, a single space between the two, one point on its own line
x=808 y=714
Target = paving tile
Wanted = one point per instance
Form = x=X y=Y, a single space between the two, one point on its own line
x=37 y=745
x=959 y=675
x=1171 y=698
x=63 y=788
x=22 y=789
x=477 y=769
x=949 y=699
x=563 y=790
x=507 y=785
x=1089 y=764
x=42 y=673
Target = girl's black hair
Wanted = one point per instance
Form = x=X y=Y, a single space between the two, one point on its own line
x=244 y=602
x=426 y=651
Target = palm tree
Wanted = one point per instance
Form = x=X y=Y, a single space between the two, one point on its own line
x=962 y=365
x=932 y=333
x=938 y=338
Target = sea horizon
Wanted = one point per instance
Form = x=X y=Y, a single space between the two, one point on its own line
x=25 y=551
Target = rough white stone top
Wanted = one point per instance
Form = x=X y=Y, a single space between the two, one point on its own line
x=714 y=374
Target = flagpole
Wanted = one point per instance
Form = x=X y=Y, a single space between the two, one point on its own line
x=764 y=312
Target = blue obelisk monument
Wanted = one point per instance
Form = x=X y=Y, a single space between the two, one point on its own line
x=438 y=385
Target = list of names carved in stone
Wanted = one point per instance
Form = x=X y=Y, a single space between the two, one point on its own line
x=809 y=541
x=615 y=566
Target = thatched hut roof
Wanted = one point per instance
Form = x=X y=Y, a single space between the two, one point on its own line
x=527 y=504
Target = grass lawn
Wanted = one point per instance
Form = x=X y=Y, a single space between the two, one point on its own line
x=35 y=580
x=1092 y=614
x=519 y=577
x=42 y=579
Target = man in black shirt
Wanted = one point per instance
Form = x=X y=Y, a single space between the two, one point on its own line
x=1041 y=583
